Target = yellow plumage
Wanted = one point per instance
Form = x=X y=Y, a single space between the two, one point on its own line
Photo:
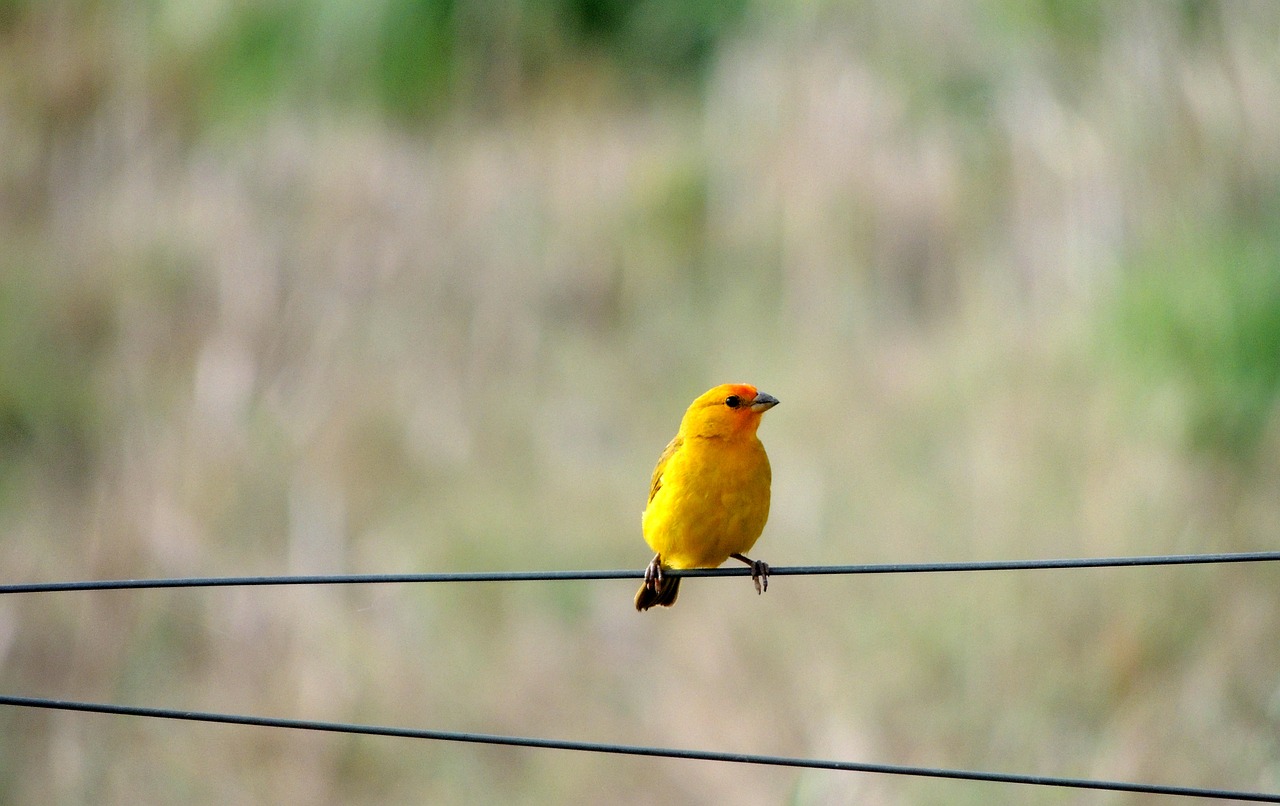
x=709 y=496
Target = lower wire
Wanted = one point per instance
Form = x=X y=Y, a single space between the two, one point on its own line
x=637 y=750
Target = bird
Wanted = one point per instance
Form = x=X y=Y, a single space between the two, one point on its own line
x=709 y=495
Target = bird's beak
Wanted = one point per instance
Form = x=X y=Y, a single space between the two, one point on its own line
x=763 y=402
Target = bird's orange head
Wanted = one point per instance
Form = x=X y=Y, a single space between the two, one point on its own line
x=731 y=409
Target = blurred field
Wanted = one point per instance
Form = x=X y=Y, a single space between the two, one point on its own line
x=412 y=286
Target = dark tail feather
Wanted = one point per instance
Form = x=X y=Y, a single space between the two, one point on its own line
x=665 y=595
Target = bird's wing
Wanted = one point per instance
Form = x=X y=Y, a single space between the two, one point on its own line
x=655 y=483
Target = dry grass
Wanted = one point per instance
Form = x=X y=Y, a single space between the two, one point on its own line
x=318 y=342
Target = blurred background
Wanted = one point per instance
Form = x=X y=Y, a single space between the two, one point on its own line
x=307 y=286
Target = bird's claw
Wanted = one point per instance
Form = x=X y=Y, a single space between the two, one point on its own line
x=653 y=574
x=759 y=572
x=760 y=575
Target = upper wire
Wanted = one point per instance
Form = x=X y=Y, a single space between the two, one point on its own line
x=631 y=573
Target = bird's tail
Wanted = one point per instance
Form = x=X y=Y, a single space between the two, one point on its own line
x=664 y=594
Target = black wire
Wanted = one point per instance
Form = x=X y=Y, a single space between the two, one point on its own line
x=514 y=576
x=629 y=573
x=637 y=750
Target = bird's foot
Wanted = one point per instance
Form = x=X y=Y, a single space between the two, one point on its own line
x=759 y=572
x=760 y=575
x=653 y=573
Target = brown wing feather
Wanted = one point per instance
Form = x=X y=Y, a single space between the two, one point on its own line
x=655 y=483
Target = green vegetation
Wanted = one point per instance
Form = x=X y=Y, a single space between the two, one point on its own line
x=1203 y=315
x=415 y=60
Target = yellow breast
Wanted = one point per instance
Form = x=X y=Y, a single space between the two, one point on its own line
x=713 y=501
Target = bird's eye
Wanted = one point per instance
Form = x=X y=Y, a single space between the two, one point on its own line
x=733 y=401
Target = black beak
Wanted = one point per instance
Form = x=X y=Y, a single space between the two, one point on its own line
x=763 y=402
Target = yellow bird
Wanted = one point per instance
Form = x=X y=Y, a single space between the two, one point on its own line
x=709 y=496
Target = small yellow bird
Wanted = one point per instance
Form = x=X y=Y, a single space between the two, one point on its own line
x=709 y=497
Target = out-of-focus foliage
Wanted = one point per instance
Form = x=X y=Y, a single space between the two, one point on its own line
x=394 y=286
x=418 y=58
x=1203 y=314
x=51 y=337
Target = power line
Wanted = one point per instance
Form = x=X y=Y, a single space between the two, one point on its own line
x=640 y=750
x=631 y=573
